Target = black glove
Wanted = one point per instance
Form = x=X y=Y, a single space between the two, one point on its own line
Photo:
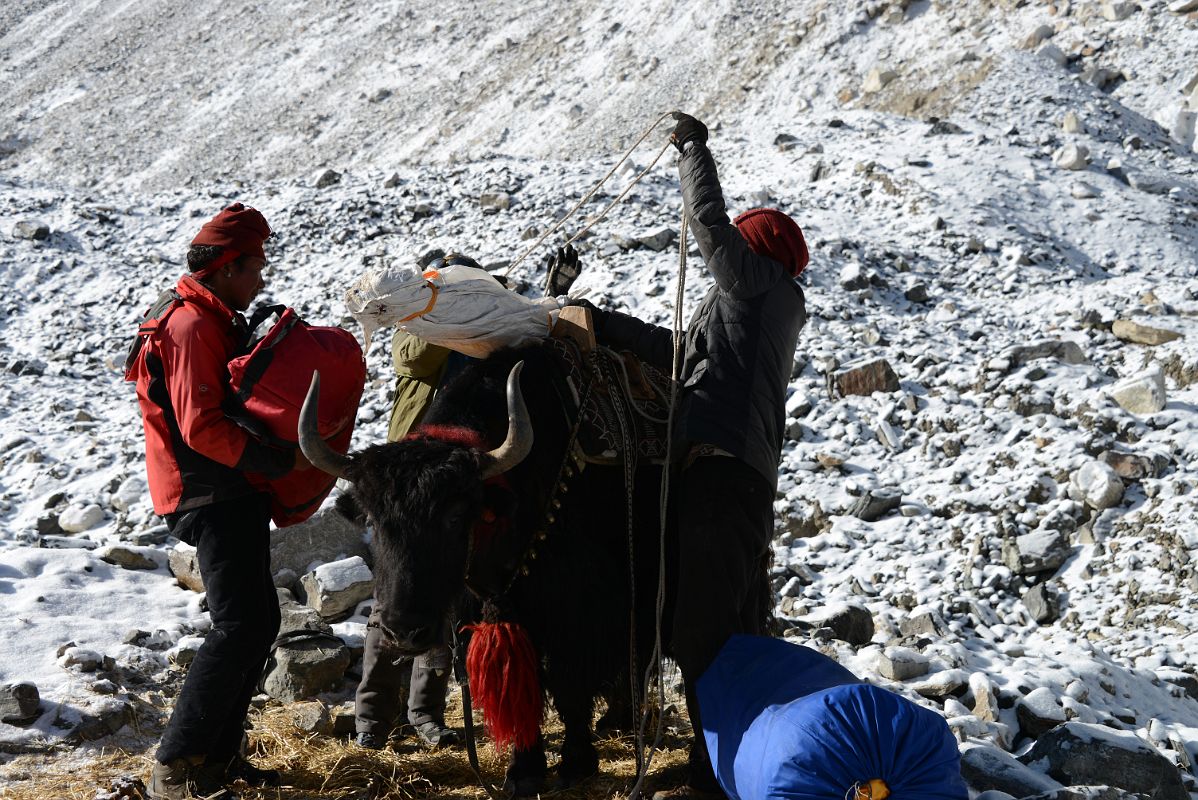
x=563 y=268
x=688 y=129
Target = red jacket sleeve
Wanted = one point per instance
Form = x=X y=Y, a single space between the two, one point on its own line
x=194 y=357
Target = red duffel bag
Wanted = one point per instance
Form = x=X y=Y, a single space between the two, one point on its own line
x=269 y=385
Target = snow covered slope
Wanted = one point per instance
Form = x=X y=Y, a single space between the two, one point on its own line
x=1000 y=258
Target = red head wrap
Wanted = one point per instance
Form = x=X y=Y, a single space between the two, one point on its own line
x=237 y=228
x=772 y=234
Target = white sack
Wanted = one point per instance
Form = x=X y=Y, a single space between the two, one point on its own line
x=459 y=307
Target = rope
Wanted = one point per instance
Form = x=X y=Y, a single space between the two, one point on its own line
x=655 y=665
x=557 y=225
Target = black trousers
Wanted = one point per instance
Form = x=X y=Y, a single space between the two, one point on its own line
x=232 y=540
x=394 y=685
x=725 y=525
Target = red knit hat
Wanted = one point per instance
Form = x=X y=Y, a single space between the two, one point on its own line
x=772 y=234
x=238 y=228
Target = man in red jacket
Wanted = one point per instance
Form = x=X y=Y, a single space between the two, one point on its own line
x=197 y=459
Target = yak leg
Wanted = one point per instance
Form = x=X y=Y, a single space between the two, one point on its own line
x=526 y=773
x=580 y=760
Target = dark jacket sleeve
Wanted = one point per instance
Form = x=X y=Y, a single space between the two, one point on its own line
x=652 y=344
x=738 y=271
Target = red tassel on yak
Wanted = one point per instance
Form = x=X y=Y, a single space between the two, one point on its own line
x=503 y=671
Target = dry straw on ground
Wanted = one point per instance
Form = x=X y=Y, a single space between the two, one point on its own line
x=317 y=767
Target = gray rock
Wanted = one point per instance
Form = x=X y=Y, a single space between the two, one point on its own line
x=1042 y=603
x=1183 y=6
x=1097 y=484
x=1072 y=157
x=185 y=566
x=925 y=624
x=991 y=769
x=127 y=557
x=34 y=231
x=877 y=79
x=1117 y=11
x=328 y=535
x=901 y=664
x=494 y=202
x=20 y=703
x=1143 y=393
x=941 y=684
x=985 y=700
x=78 y=519
x=659 y=239
x=872 y=506
x=1038 y=712
x=1037 y=551
x=1082 y=754
x=866 y=378
x=1053 y=53
x=1038 y=35
x=1134 y=467
x=1087 y=793
x=1130 y=331
x=329 y=177
x=853 y=277
x=312 y=717
x=850 y=623
x=1149 y=184
x=106 y=719
x=303 y=668
x=1083 y=191
x=334 y=589
x=917 y=293
x=299 y=617
x=1062 y=350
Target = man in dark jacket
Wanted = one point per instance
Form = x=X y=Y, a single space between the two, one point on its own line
x=739 y=351
x=197 y=459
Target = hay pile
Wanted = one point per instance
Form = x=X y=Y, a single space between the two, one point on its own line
x=320 y=767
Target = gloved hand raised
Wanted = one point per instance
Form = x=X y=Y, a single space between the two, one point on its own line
x=562 y=268
x=688 y=129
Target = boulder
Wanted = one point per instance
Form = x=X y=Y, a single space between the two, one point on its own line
x=872 y=506
x=334 y=589
x=901 y=664
x=1081 y=754
x=305 y=666
x=657 y=240
x=1097 y=484
x=101 y=720
x=131 y=490
x=1183 y=6
x=185 y=566
x=80 y=518
x=1053 y=53
x=1072 y=157
x=494 y=202
x=866 y=378
x=1117 y=11
x=990 y=769
x=877 y=79
x=328 y=535
x=1038 y=35
x=1042 y=603
x=985 y=699
x=941 y=684
x=33 y=231
x=330 y=177
x=129 y=557
x=1130 y=331
x=1038 y=712
x=1041 y=550
x=20 y=703
x=1143 y=393
x=312 y=717
x=1063 y=350
x=849 y=623
x=1134 y=467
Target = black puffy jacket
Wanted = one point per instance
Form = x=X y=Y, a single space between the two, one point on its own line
x=739 y=344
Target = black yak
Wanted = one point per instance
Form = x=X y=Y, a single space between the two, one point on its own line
x=527 y=527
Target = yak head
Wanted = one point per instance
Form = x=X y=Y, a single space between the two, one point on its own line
x=423 y=497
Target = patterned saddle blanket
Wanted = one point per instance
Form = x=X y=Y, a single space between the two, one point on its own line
x=627 y=400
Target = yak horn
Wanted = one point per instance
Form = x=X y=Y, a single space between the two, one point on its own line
x=314 y=448
x=519 y=430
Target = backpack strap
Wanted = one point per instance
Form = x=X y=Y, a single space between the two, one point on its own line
x=158 y=313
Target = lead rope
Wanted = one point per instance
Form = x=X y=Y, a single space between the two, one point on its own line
x=655 y=666
x=557 y=225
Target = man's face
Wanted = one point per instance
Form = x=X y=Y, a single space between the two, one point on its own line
x=247 y=281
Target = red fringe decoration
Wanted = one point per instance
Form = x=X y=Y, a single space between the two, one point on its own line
x=504 y=680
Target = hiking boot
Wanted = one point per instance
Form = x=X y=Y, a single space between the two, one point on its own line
x=241 y=770
x=182 y=780
x=371 y=741
x=436 y=735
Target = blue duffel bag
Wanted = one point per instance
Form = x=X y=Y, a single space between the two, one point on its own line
x=785 y=721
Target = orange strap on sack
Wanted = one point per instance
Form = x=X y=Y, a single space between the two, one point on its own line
x=874 y=790
x=432 y=301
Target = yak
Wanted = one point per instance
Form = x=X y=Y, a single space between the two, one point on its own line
x=490 y=500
